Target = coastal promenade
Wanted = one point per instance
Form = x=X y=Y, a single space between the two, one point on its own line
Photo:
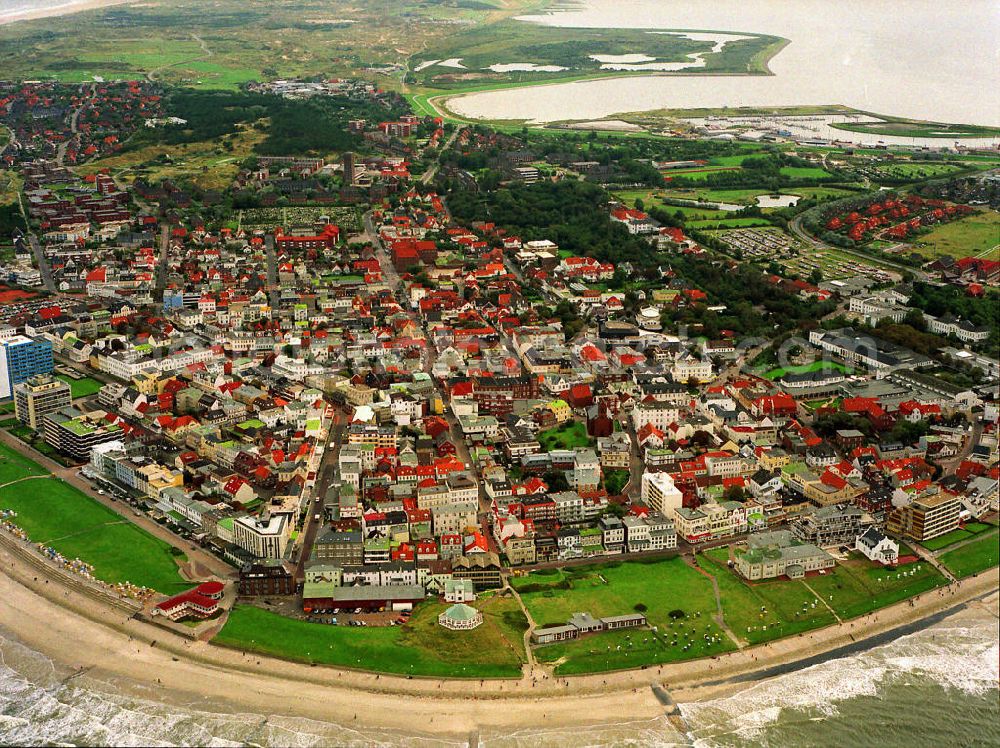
x=81 y=633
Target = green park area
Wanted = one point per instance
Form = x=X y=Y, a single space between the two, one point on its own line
x=55 y=513
x=804 y=172
x=728 y=223
x=81 y=387
x=857 y=587
x=14 y=466
x=675 y=597
x=679 y=603
x=763 y=611
x=966 y=532
x=567 y=435
x=977 y=235
x=973 y=557
x=421 y=647
x=807 y=369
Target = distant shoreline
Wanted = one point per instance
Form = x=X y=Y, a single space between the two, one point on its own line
x=53 y=11
x=81 y=633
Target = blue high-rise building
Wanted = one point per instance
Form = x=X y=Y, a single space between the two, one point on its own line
x=22 y=357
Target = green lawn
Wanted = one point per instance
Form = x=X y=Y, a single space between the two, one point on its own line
x=14 y=466
x=81 y=387
x=59 y=515
x=763 y=611
x=730 y=160
x=804 y=172
x=975 y=235
x=970 y=530
x=728 y=223
x=692 y=213
x=973 y=558
x=567 y=435
x=856 y=587
x=208 y=74
x=807 y=369
x=820 y=193
x=422 y=647
x=615 y=589
x=700 y=174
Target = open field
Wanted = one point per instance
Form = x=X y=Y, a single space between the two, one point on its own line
x=15 y=466
x=698 y=175
x=234 y=43
x=421 y=647
x=763 y=611
x=977 y=556
x=748 y=196
x=81 y=387
x=807 y=369
x=804 y=172
x=977 y=235
x=857 y=587
x=208 y=164
x=971 y=530
x=238 y=42
x=728 y=223
x=697 y=214
x=10 y=185
x=568 y=435
x=615 y=589
x=57 y=514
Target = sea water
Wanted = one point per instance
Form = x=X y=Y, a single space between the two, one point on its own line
x=923 y=59
x=936 y=687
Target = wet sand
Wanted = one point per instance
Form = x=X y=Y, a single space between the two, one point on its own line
x=78 y=632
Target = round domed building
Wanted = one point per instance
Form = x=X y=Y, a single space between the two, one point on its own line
x=461 y=617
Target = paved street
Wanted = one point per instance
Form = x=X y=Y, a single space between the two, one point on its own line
x=324 y=478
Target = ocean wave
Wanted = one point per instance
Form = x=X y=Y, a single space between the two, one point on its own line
x=654 y=733
x=40 y=706
x=959 y=658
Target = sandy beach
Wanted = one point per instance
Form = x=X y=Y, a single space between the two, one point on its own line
x=63 y=9
x=151 y=662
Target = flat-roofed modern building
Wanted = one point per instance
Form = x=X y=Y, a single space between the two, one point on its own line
x=923 y=517
x=38 y=396
x=264 y=537
x=75 y=433
x=21 y=358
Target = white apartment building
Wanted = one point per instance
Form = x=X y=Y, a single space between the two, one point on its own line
x=660 y=494
x=264 y=537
